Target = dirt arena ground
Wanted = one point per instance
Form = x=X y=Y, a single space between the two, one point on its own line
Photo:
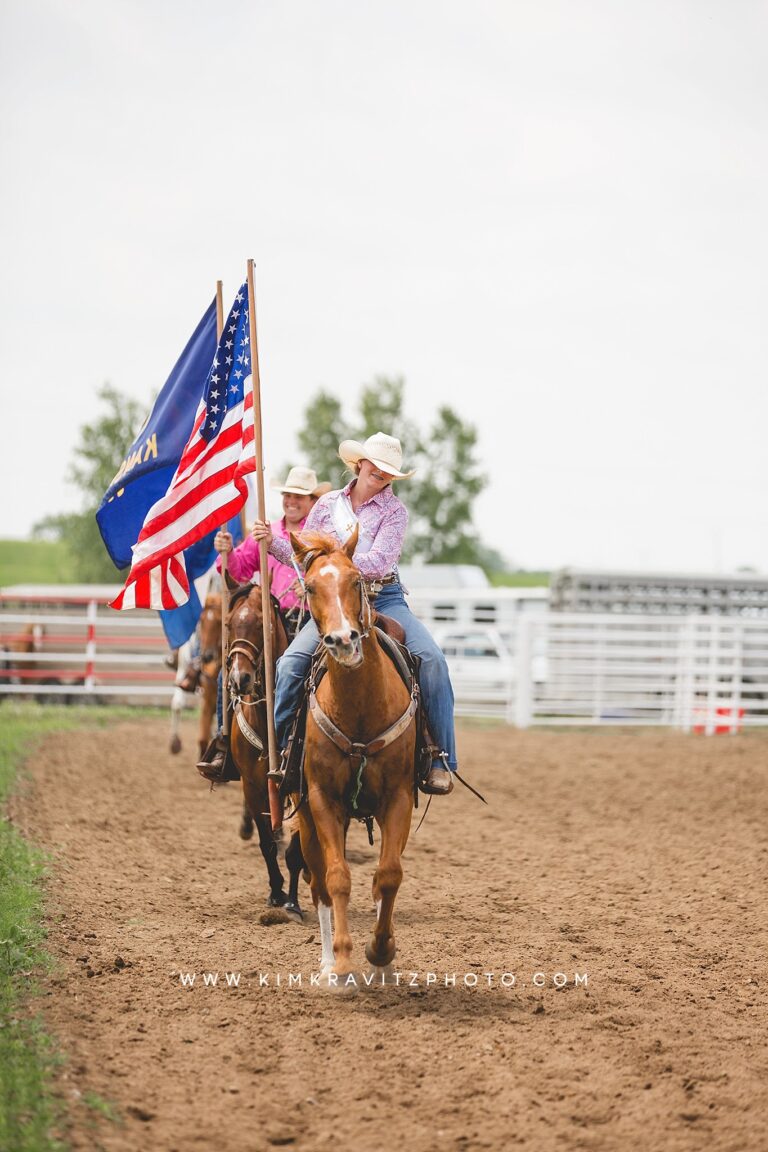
x=636 y=858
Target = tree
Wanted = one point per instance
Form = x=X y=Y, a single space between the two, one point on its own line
x=443 y=492
x=97 y=459
x=441 y=495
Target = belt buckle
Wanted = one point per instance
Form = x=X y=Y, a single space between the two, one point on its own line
x=375 y=587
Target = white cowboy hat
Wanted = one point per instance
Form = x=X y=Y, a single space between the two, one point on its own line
x=384 y=451
x=302 y=482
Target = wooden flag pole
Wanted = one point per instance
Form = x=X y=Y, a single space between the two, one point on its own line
x=224 y=587
x=275 y=807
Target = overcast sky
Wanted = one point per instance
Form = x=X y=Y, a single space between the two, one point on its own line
x=550 y=215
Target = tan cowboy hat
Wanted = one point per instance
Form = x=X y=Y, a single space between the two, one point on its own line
x=384 y=451
x=302 y=482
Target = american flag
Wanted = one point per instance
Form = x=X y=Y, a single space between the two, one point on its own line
x=209 y=485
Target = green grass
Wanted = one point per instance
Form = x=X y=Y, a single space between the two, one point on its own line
x=35 y=562
x=30 y=1113
x=519 y=579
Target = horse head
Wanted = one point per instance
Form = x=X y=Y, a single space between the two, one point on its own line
x=210 y=635
x=336 y=594
x=246 y=639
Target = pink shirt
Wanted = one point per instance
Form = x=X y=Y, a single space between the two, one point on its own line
x=245 y=561
x=382 y=519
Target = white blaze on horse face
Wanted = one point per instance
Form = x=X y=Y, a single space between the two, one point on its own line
x=327 y=959
x=344 y=625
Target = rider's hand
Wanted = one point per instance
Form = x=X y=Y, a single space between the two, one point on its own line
x=222 y=542
x=262 y=531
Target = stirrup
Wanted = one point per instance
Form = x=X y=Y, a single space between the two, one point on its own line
x=278 y=775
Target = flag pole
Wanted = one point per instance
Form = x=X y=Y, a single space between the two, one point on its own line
x=224 y=586
x=275 y=807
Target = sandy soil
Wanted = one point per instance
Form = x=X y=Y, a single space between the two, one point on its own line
x=638 y=858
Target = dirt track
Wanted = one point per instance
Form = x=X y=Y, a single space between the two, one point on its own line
x=637 y=858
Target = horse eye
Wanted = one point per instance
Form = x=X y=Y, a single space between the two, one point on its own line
x=309 y=589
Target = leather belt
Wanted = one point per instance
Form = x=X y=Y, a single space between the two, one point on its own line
x=374 y=586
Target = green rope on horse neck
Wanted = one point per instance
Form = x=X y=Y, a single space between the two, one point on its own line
x=358 y=783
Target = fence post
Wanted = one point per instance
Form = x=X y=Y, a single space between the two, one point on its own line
x=523 y=710
x=713 y=674
x=90 y=645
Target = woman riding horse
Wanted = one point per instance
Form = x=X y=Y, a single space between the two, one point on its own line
x=369 y=505
x=300 y=492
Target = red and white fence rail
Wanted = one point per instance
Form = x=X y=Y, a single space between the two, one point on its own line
x=55 y=645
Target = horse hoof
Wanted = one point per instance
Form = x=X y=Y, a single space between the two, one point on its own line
x=246 y=829
x=175 y=745
x=278 y=900
x=380 y=976
x=294 y=911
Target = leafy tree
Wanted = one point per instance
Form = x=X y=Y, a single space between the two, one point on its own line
x=443 y=493
x=97 y=458
x=440 y=496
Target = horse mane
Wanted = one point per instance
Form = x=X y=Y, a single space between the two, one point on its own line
x=316 y=544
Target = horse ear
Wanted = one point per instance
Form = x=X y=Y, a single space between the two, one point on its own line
x=231 y=583
x=270 y=577
x=351 y=544
x=299 y=548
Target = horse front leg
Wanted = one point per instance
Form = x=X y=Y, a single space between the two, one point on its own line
x=295 y=864
x=395 y=825
x=255 y=796
x=177 y=703
x=313 y=857
x=331 y=831
x=207 y=712
x=268 y=847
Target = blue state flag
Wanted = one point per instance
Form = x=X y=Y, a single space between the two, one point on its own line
x=149 y=466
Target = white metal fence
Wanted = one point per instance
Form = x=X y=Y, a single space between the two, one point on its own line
x=694 y=673
x=509 y=657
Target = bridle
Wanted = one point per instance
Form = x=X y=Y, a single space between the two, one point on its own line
x=365 y=616
x=255 y=657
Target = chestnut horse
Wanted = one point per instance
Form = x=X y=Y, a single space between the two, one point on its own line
x=248 y=733
x=360 y=742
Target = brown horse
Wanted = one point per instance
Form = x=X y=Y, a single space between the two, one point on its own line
x=248 y=733
x=359 y=752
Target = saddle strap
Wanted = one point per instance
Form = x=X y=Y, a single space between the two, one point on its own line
x=250 y=734
x=395 y=653
x=342 y=741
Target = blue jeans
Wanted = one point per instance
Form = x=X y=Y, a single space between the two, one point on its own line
x=437 y=693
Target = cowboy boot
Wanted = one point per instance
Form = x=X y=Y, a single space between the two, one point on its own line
x=217 y=764
x=439 y=779
x=191 y=679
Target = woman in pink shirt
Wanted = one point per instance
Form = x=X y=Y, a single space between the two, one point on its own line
x=300 y=492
